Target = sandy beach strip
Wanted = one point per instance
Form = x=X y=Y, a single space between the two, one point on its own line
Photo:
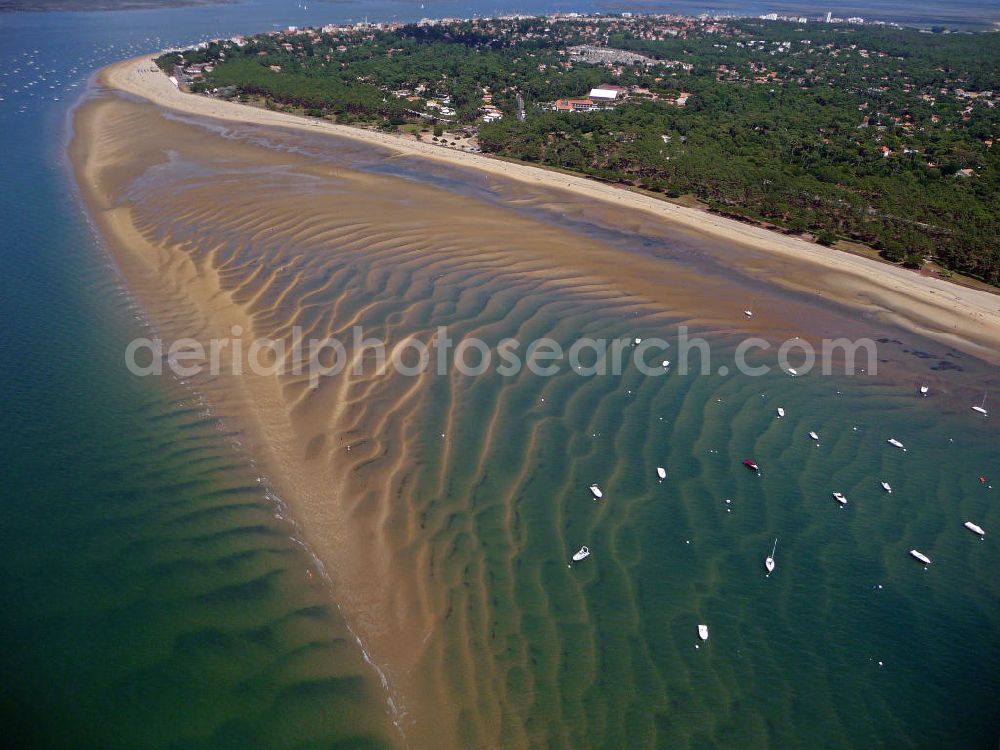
x=968 y=319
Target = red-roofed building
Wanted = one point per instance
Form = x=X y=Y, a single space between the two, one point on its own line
x=575 y=105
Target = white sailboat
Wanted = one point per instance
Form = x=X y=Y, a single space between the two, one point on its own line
x=581 y=554
x=813 y=435
x=918 y=555
x=748 y=312
x=596 y=492
x=893 y=441
x=781 y=412
x=839 y=497
x=769 y=561
x=661 y=473
x=792 y=371
x=923 y=390
x=982 y=407
x=887 y=487
x=703 y=632
x=975 y=528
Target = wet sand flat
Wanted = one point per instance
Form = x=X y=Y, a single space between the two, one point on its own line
x=444 y=508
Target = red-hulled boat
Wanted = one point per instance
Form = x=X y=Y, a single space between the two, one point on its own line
x=749 y=463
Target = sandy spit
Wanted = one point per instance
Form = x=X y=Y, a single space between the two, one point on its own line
x=967 y=319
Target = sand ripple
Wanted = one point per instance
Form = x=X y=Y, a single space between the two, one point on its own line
x=446 y=507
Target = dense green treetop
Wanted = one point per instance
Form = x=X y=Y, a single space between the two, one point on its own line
x=878 y=134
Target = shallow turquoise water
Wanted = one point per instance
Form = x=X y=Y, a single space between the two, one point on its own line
x=850 y=643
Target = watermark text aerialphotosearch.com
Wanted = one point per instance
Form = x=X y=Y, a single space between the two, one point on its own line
x=358 y=355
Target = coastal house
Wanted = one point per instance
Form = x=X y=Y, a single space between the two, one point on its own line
x=491 y=113
x=575 y=105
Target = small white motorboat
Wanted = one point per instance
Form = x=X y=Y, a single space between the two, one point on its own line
x=981 y=408
x=893 y=441
x=781 y=412
x=792 y=371
x=665 y=364
x=748 y=313
x=918 y=555
x=703 y=632
x=769 y=561
x=637 y=341
x=924 y=390
x=813 y=435
x=596 y=492
x=887 y=487
x=975 y=528
x=581 y=554
x=839 y=497
x=661 y=473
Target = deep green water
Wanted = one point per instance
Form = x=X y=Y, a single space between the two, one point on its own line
x=153 y=596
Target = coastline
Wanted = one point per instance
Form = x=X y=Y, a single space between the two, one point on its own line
x=364 y=463
x=968 y=319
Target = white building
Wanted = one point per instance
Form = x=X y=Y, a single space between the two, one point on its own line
x=605 y=93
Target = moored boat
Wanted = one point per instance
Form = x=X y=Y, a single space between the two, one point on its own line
x=596 y=492
x=813 y=435
x=781 y=412
x=975 y=528
x=703 y=632
x=887 y=487
x=918 y=555
x=769 y=560
x=893 y=441
x=581 y=554
x=839 y=497
x=661 y=473
x=923 y=390
x=981 y=409
x=792 y=371
x=751 y=464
